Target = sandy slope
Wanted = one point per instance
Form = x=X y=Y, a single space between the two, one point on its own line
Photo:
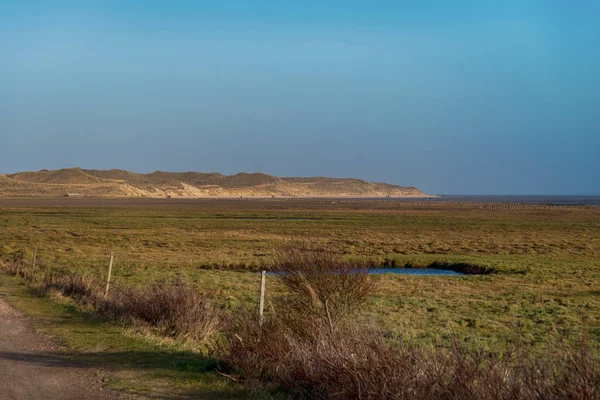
x=120 y=183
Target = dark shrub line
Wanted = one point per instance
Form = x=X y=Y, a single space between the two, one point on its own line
x=463 y=267
x=174 y=309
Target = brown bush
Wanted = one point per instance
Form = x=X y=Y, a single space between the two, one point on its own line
x=13 y=268
x=301 y=349
x=16 y=266
x=365 y=366
x=358 y=362
x=71 y=285
x=176 y=309
x=320 y=282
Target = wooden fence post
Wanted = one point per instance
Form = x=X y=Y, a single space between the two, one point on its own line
x=261 y=301
x=109 y=273
x=33 y=262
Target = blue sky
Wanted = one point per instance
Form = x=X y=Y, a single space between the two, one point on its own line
x=452 y=97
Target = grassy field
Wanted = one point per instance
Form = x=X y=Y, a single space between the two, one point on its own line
x=544 y=262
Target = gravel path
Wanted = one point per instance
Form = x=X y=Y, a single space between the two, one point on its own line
x=32 y=368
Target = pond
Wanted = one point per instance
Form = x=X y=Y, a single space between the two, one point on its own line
x=415 y=271
x=404 y=271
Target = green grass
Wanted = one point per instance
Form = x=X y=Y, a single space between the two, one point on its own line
x=546 y=264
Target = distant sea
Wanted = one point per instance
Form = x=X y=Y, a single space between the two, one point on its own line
x=526 y=199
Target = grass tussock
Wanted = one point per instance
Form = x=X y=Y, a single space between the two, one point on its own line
x=15 y=265
x=78 y=287
x=313 y=344
x=14 y=268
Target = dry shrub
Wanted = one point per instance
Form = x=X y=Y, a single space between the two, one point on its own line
x=358 y=362
x=16 y=266
x=78 y=287
x=174 y=309
x=323 y=293
x=312 y=355
x=13 y=268
x=363 y=365
x=320 y=282
x=177 y=309
x=256 y=351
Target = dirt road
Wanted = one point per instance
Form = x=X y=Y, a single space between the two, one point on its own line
x=32 y=368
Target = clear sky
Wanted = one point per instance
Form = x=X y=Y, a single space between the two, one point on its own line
x=470 y=97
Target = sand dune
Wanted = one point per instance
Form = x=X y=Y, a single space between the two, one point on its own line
x=121 y=183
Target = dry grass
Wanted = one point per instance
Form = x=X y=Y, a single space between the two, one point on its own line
x=175 y=309
x=314 y=342
x=358 y=363
x=321 y=282
x=78 y=287
x=540 y=262
x=313 y=353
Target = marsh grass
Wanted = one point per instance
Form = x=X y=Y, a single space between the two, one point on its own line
x=543 y=261
x=317 y=343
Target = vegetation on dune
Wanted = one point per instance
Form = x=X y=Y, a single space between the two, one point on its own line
x=186 y=184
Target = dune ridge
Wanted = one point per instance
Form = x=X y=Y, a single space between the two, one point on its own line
x=122 y=183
